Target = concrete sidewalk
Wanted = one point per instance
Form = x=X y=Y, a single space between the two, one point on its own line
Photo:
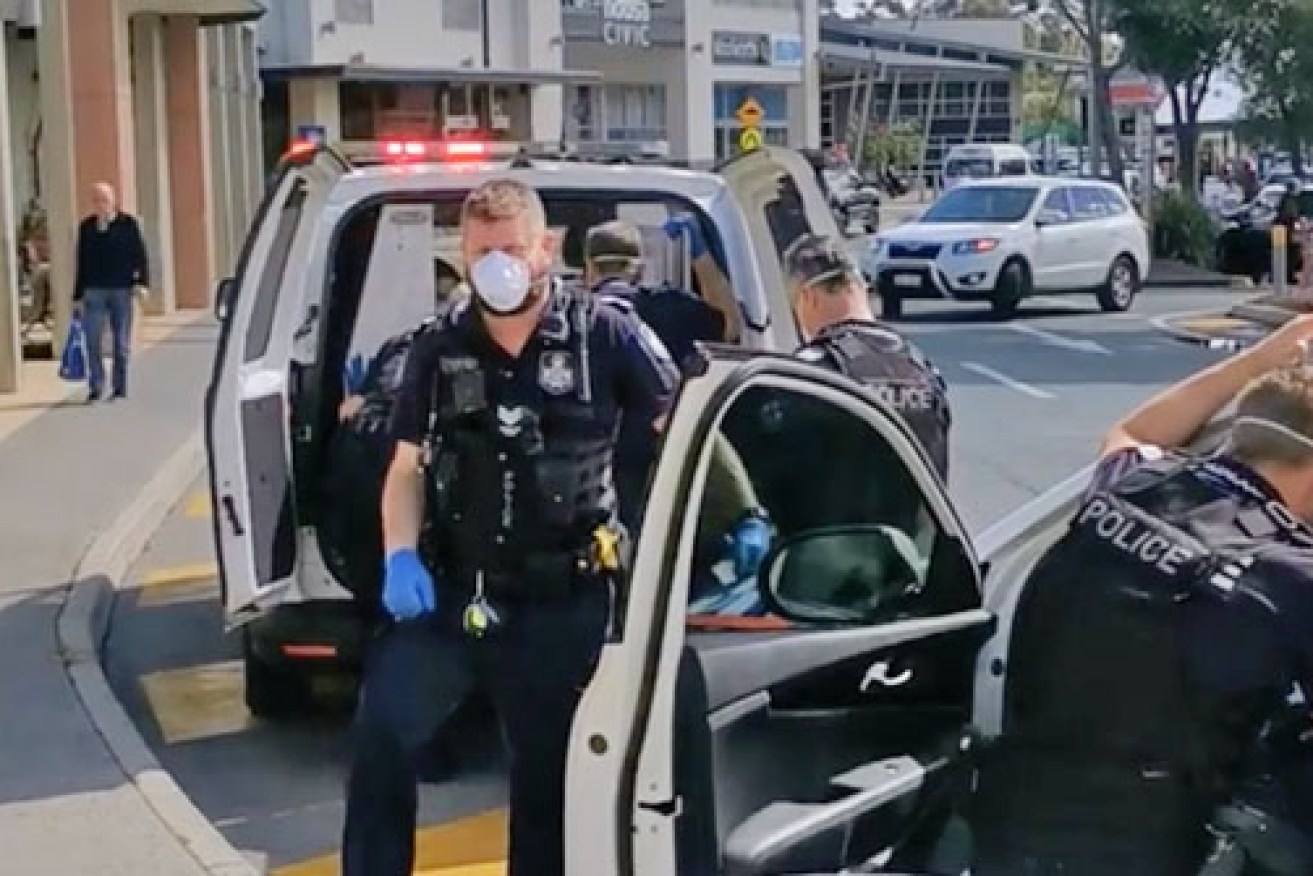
x=68 y=473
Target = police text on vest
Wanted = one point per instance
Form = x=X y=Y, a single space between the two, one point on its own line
x=1132 y=537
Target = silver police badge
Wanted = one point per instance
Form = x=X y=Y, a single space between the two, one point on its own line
x=556 y=372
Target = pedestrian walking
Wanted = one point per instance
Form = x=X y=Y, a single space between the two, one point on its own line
x=500 y=527
x=111 y=266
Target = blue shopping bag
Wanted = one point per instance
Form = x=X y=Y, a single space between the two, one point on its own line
x=73 y=362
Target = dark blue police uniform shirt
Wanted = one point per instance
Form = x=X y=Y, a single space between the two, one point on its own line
x=676 y=316
x=1267 y=638
x=631 y=378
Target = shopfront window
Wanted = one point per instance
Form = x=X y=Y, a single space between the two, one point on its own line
x=635 y=113
x=431 y=111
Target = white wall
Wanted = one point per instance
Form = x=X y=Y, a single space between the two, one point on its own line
x=405 y=33
x=24 y=114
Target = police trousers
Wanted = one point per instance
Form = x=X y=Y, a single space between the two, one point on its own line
x=534 y=667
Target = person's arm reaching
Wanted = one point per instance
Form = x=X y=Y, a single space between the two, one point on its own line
x=712 y=282
x=408 y=589
x=1173 y=417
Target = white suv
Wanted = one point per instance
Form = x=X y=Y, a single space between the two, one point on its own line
x=342 y=257
x=1005 y=239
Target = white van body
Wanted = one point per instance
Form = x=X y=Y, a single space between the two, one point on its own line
x=985 y=161
x=312 y=291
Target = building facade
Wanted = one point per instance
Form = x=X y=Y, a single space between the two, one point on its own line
x=608 y=76
x=955 y=80
x=676 y=72
x=159 y=98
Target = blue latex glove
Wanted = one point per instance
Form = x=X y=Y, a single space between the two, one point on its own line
x=684 y=224
x=407 y=586
x=749 y=542
x=354 y=376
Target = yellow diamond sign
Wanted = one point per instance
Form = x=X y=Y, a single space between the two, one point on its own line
x=750 y=113
x=750 y=140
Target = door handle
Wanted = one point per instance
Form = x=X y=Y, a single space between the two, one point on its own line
x=879 y=673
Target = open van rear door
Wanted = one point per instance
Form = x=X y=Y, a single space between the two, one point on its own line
x=247 y=412
x=781 y=200
x=701 y=723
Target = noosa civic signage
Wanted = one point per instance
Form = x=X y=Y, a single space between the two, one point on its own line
x=627 y=23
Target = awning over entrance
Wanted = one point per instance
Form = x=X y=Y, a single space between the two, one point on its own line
x=210 y=12
x=851 y=59
x=374 y=73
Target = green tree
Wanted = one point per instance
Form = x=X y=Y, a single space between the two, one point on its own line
x=1183 y=43
x=1092 y=22
x=1277 y=67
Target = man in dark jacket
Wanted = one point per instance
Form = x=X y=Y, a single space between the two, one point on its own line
x=111 y=263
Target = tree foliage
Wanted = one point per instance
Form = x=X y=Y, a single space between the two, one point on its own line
x=1278 y=70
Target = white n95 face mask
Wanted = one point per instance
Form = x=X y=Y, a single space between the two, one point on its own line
x=502 y=282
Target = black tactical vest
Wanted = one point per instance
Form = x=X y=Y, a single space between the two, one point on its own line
x=1143 y=669
x=897 y=372
x=561 y=449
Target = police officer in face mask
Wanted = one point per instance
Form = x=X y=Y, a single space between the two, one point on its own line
x=500 y=532
x=1161 y=657
x=832 y=306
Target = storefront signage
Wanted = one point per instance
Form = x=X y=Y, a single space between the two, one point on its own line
x=785 y=50
x=627 y=23
x=746 y=49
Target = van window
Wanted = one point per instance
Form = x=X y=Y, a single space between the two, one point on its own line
x=269 y=289
x=1013 y=167
x=969 y=168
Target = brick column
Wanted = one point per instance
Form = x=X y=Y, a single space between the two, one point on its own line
x=189 y=161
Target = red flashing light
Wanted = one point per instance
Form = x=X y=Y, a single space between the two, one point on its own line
x=300 y=148
x=404 y=149
x=465 y=149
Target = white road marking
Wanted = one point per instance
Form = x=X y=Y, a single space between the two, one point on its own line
x=1082 y=345
x=1009 y=382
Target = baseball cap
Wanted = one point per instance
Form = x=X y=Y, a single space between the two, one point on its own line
x=815 y=258
x=613 y=241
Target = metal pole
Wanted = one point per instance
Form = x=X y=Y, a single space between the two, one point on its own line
x=868 y=95
x=1279 y=259
x=929 y=123
x=980 y=86
x=1094 y=124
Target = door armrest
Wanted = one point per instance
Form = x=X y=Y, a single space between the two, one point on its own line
x=756 y=846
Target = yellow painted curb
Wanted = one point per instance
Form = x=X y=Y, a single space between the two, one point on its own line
x=472 y=846
x=184 y=574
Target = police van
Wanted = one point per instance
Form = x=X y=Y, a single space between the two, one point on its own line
x=345 y=253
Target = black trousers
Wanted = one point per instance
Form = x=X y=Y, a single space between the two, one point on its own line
x=535 y=668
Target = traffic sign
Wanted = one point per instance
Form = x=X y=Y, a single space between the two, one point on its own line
x=750 y=113
x=750 y=140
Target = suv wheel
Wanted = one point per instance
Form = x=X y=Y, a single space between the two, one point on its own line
x=273 y=690
x=1013 y=285
x=1121 y=287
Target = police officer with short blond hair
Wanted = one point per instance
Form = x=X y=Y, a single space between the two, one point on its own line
x=499 y=524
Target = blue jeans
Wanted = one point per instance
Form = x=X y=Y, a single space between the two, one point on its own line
x=116 y=305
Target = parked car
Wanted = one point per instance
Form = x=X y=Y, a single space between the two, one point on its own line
x=1003 y=240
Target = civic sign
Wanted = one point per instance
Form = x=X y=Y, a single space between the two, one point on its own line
x=627 y=23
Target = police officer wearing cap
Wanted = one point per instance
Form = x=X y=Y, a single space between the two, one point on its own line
x=1161 y=657
x=832 y=304
x=500 y=530
x=614 y=259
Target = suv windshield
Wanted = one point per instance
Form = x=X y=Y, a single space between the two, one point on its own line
x=970 y=168
x=983 y=204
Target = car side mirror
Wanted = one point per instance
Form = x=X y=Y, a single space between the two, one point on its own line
x=849 y=575
x=1050 y=217
x=223 y=298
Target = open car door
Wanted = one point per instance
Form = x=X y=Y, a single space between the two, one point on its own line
x=810 y=716
x=247 y=411
x=781 y=200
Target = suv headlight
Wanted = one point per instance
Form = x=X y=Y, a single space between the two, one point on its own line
x=976 y=246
